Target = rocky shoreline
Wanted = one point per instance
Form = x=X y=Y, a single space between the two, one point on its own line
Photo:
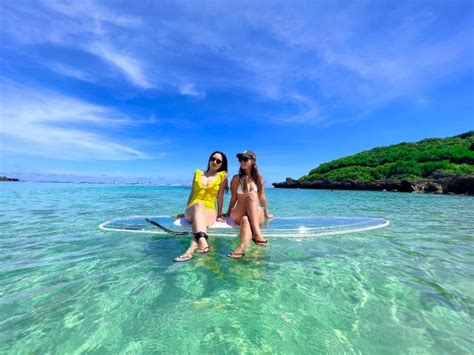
x=443 y=184
x=5 y=178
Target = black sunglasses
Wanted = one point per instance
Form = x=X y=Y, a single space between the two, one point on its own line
x=244 y=159
x=218 y=161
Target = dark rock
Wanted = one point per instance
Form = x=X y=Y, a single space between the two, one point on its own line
x=438 y=184
x=406 y=186
x=462 y=184
x=5 y=178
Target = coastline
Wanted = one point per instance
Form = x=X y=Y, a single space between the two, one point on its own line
x=450 y=185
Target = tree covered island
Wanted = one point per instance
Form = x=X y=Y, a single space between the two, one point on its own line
x=434 y=165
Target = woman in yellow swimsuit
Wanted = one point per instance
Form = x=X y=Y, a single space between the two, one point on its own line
x=247 y=192
x=201 y=211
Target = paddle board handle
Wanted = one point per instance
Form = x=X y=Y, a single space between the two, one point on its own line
x=169 y=231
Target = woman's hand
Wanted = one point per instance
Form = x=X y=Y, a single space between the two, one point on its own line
x=269 y=216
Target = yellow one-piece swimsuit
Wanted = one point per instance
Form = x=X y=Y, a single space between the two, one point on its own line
x=206 y=195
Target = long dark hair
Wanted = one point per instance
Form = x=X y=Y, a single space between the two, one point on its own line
x=254 y=174
x=223 y=166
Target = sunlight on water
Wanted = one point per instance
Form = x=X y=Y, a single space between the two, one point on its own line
x=66 y=286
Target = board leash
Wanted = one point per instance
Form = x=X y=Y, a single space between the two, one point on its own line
x=169 y=231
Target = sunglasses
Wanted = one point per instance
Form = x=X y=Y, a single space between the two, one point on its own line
x=218 y=161
x=244 y=159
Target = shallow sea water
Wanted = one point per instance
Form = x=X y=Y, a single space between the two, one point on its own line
x=67 y=287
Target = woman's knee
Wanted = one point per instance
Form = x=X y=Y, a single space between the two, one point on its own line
x=244 y=221
x=210 y=217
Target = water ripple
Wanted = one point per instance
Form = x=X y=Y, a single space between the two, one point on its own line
x=66 y=287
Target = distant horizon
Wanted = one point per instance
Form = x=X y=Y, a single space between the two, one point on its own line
x=143 y=180
x=103 y=179
x=129 y=90
x=98 y=183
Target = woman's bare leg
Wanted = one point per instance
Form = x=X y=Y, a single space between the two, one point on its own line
x=199 y=217
x=196 y=214
x=245 y=236
x=255 y=217
x=210 y=216
x=248 y=206
x=239 y=211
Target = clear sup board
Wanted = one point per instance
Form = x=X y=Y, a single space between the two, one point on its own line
x=278 y=227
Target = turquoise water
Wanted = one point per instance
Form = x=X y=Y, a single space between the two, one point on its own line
x=66 y=287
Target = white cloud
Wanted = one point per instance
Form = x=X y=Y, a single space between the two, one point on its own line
x=307 y=111
x=93 y=10
x=336 y=56
x=49 y=124
x=359 y=56
x=69 y=71
x=85 y=26
x=127 y=64
x=190 y=90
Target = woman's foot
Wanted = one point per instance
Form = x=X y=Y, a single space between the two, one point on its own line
x=204 y=250
x=203 y=246
x=236 y=255
x=183 y=258
x=201 y=239
x=260 y=241
x=188 y=254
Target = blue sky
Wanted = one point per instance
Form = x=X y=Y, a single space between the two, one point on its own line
x=149 y=89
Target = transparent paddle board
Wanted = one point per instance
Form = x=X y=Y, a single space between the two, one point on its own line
x=278 y=227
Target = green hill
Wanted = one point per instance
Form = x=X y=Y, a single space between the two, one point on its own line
x=453 y=155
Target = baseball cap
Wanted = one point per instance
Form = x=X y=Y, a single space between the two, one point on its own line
x=247 y=153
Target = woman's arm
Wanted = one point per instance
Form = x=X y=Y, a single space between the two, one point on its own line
x=234 y=184
x=263 y=200
x=220 y=196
